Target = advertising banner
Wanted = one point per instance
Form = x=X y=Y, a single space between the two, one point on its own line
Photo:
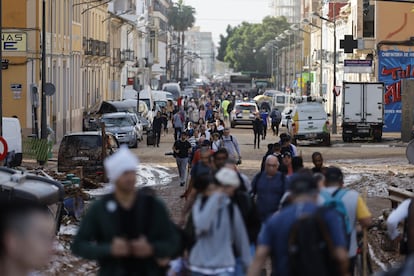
x=394 y=66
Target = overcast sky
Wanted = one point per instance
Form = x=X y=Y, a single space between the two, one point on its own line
x=214 y=15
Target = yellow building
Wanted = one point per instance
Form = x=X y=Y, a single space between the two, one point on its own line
x=20 y=42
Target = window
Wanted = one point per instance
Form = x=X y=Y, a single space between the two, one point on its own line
x=368 y=22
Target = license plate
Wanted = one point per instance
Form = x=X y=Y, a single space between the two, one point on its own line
x=246 y=112
x=311 y=135
x=80 y=158
x=364 y=130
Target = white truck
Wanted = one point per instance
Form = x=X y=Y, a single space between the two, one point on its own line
x=363 y=110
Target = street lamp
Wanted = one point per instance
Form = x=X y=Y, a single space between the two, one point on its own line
x=271 y=43
x=334 y=127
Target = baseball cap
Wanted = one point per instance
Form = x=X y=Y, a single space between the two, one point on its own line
x=303 y=184
x=334 y=175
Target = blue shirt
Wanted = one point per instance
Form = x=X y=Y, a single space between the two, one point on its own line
x=275 y=233
x=264 y=116
x=269 y=191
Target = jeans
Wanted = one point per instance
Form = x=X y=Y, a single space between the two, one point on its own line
x=218 y=274
x=264 y=131
x=157 y=136
x=182 y=168
x=275 y=128
x=177 y=133
x=257 y=139
x=239 y=269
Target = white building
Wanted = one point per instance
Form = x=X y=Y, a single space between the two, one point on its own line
x=199 y=54
x=291 y=9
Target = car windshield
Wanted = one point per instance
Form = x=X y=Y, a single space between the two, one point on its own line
x=83 y=141
x=117 y=122
x=250 y=108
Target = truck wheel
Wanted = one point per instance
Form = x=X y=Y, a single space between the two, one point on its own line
x=295 y=141
x=377 y=138
x=347 y=139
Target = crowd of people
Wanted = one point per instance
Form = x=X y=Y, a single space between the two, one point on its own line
x=303 y=219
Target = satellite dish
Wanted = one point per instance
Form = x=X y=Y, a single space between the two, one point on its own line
x=49 y=89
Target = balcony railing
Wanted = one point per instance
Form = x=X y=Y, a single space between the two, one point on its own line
x=127 y=55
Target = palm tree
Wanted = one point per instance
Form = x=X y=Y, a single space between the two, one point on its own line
x=181 y=18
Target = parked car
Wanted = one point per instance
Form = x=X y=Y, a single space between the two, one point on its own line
x=174 y=88
x=124 y=127
x=243 y=113
x=84 y=149
x=309 y=121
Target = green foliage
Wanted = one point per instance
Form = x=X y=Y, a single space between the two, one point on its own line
x=245 y=43
x=181 y=17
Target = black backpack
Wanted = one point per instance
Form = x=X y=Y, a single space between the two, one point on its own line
x=310 y=247
x=230 y=107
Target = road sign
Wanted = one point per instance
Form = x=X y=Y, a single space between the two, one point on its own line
x=358 y=66
x=3 y=148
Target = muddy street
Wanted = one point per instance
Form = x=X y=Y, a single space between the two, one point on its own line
x=369 y=168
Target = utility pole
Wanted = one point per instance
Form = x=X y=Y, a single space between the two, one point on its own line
x=43 y=120
x=334 y=126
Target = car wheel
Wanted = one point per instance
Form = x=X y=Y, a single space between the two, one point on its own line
x=232 y=124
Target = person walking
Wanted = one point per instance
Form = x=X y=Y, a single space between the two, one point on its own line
x=257 y=130
x=127 y=231
x=157 y=128
x=268 y=188
x=276 y=119
x=219 y=230
x=182 y=149
x=356 y=210
x=231 y=144
x=178 y=124
x=284 y=231
x=265 y=116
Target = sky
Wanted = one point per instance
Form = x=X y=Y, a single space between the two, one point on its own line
x=214 y=15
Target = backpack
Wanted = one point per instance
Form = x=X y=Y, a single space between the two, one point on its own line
x=276 y=116
x=310 y=247
x=230 y=107
x=335 y=202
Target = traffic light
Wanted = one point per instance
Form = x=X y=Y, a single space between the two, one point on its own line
x=308 y=88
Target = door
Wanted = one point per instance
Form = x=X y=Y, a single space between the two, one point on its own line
x=374 y=102
x=353 y=98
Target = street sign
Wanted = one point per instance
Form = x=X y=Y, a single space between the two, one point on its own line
x=3 y=148
x=358 y=66
x=49 y=89
x=13 y=41
x=348 y=44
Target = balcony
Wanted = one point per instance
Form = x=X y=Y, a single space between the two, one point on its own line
x=103 y=47
x=127 y=55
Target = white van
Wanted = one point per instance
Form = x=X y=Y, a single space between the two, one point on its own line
x=161 y=98
x=174 y=88
x=12 y=132
x=309 y=121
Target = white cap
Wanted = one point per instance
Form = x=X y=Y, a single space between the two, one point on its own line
x=120 y=162
x=228 y=177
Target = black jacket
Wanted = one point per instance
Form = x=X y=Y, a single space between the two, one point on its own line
x=258 y=125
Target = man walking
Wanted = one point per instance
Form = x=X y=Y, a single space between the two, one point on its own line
x=268 y=187
x=276 y=118
x=127 y=232
x=182 y=149
x=231 y=144
x=178 y=124
x=275 y=238
x=264 y=115
x=257 y=130
x=157 y=127
x=356 y=209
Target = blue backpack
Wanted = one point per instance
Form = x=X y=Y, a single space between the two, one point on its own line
x=334 y=201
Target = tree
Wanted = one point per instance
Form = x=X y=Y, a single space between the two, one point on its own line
x=245 y=44
x=181 y=17
x=223 y=43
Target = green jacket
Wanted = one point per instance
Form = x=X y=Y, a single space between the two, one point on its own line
x=100 y=225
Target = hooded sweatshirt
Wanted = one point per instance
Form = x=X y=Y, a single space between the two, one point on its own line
x=217 y=233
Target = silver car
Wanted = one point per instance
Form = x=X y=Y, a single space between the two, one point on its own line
x=124 y=127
